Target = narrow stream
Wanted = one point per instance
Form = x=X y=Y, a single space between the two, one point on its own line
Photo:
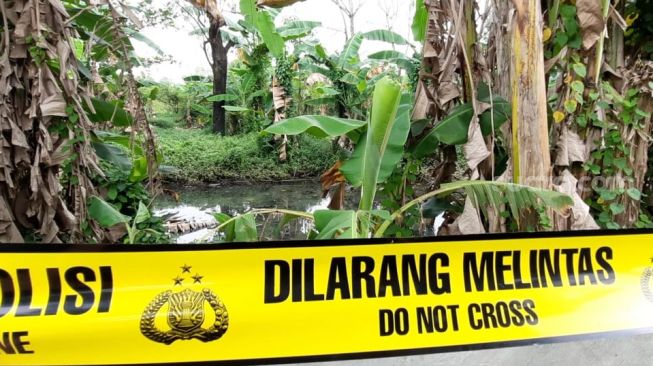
x=200 y=202
x=235 y=199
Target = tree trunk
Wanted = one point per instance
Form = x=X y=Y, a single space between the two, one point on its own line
x=502 y=48
x=531 y=157
x=219 y=66
x=530 y=132
x=42 y=124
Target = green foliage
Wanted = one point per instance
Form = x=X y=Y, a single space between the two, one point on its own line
x=317 y=126
x=241 y=228
x=381 y=148
x=639 y=36
x=385 y=35
x=284 y=72
x=350 y=79
x=249 y=81
x=297 y=29
x=491 y=195
x=138 y=228
x=180 y=105
x=453 y=129
x=105 y=214
x=569 y=34
x=399 y=187
x=110 y=112
x=125 y=196
x=420 y=20
x=612 y=157
x=200 y=156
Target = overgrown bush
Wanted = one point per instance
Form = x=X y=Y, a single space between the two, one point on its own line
x=200 y=156
x=125 y=195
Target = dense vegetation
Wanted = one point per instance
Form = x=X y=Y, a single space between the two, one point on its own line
x=201 y=156
x=530 y=127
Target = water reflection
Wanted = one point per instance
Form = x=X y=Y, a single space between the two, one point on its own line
x=242 y=198
x=199 y=202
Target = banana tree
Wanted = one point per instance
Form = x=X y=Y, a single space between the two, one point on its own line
x=256 y=37
x=351 y=77
x=379 y=148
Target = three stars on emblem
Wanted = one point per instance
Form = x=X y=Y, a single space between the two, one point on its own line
x=186 y=269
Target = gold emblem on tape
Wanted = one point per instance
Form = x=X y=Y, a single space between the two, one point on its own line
x=186 y=314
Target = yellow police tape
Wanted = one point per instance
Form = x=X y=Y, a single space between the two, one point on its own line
x=264 y=304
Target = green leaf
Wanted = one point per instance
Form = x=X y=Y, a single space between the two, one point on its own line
x=617 y=208
x=642 y=113
x=386 y=55
x=332 y=224
x=361 y=86
x=248 y=10
x=143 y=214
x=502 y=113
x=489 y=194
x=321 y=101
x=272 y=39
x=111 y=112
x=319 y=49
x=222 y=98
x=568 y=11
x=621 y=163
x=139 y=170
x=142 y=38
x=350 y=79
x=231 y=108
x=384 y=35
x=120 y=140
x=580 y=69
x=612 y=226
x=105 y=214
x=113 y=154
x=404 y=63
x=452 y=131
x=112 y=193
x=578 y=86
x=201 y=109
x=352 y=167
x=297 y=29
x=385 y=104
x=608 y=195
x=571 y=105
x=560 y=40
x=420 y=21
x=245 y=228
x=349 y=54
x=241 y=228
x=318 y=126
x=634 y=193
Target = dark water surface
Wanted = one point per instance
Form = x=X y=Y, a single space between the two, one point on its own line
x=233 y=199
x=238 y=198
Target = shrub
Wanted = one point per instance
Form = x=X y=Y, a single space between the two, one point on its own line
x=200 y=156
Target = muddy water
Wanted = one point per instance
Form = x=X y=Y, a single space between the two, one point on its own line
x=234 y=199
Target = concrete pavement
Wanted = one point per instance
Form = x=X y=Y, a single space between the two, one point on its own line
x=618 y=351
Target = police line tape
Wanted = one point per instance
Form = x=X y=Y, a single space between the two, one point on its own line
x=280 y=302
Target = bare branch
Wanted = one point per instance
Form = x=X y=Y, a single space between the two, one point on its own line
x=348 y=11
x=209 y=59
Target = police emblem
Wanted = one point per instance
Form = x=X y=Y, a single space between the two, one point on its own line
x=645 y=282
x=186 y=314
